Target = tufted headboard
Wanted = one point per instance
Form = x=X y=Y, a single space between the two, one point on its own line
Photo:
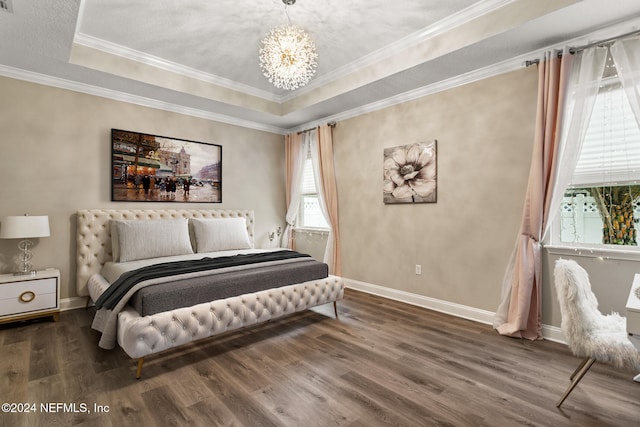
x=93 y=233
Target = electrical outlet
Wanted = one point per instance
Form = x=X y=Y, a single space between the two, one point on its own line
x=418 y=269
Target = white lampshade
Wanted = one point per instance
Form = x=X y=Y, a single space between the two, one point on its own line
x=24 y=227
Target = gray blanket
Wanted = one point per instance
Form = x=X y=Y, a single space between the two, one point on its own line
x=120 y=287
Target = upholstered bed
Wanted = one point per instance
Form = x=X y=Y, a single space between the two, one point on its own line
x=113 y=244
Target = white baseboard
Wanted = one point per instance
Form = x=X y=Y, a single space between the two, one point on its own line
x=550 y=333
x=453 y=309
x=553 y=333
x=73 y=303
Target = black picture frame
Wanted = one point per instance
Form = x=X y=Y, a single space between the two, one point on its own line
x=153 y=168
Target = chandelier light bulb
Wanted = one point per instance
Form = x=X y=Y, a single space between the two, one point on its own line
x=288 y=57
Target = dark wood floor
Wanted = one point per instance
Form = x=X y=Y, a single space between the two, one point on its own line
x=381 y=363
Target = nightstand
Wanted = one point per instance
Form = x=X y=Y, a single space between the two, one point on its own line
x=29 y=296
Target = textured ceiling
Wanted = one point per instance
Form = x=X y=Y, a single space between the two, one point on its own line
x=200 y=57
x=223 y=37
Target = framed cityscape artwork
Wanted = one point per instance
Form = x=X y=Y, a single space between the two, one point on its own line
x=152 y=168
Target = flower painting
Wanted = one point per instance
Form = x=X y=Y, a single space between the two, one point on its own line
x=410 y=173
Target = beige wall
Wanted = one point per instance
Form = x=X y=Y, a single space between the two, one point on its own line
x=463 y=242
x=55 y=159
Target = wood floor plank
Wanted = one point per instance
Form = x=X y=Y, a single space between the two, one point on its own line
x=211 y=412
x=14 y=371
x=312 y=408
x=380 y=363
x=163 y=407
x=43 y=360
x=357 y=405
x=231 y=393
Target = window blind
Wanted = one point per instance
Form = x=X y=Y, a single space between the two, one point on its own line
x=611 y=150
x=308 y=179
x=310 y=214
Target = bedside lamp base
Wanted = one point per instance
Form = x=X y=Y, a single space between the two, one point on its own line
x=26 y=268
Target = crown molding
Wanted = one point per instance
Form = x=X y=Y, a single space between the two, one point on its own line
x=30 y=76
x=163 y=64
x=444 y=25
x=452 y=83
x=476 y=75
x=508 y=65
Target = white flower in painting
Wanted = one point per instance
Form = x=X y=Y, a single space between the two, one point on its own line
x=410 y=171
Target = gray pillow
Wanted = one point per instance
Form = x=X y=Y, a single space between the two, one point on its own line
x=143 y=239
x=220 y=234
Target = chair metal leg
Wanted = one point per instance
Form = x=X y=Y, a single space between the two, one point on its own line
x=584 y=367
x=584 y=362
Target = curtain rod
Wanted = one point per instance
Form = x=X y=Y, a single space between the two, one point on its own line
x=610 y=39
x=332 y=124
x=577 y=49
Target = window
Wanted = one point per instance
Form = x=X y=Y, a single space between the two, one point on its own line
x=601 y=204
x=310 y=215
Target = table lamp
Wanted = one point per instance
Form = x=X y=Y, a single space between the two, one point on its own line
x=24 y=227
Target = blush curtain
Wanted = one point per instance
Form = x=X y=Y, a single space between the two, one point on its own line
x=324 y=171
x=318 y=142
x=520 y=313
x=567 y=89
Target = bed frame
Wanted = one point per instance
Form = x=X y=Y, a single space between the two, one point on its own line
x=141 y=336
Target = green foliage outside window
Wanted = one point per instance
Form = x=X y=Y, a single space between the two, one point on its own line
x=615 y=205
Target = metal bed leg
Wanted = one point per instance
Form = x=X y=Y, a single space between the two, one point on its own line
x=139 y=370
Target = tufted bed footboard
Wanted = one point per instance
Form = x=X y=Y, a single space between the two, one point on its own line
x=140 y=336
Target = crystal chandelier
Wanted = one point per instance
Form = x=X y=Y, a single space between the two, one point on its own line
x=288 y=55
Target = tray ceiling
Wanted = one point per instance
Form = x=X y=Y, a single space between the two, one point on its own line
x=200 y=57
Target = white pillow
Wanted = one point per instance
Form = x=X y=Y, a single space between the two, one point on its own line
x=143 y=239
x=220 y=234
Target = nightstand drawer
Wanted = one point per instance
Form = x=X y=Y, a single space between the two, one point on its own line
x=633 y=310
x=28 y=296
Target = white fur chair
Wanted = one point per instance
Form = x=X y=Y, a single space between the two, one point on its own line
x=589 y=334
